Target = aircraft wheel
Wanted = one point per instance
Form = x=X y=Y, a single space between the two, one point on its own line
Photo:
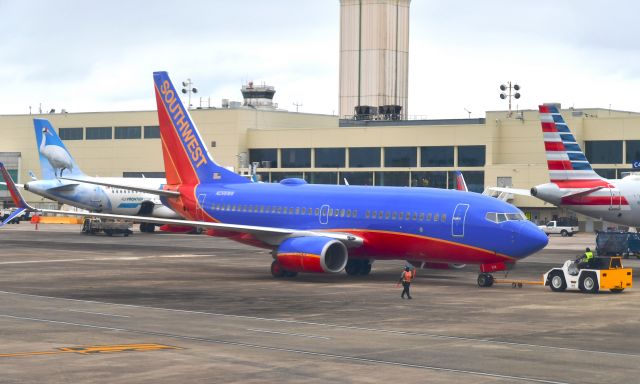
x=366 y=268
x=277 y=270
x=290 y=274
x=353 y=267
x=588 y=283
x=485 y=280
x=143 y=227
x=556 y=282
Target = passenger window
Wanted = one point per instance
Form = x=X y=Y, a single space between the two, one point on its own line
x=291 y=210
x=304 y=210
x=317 y=211
x=436 y=217
x=400 y=215
x=355 y=213
x=348 y=213
x=336 y=213
x=342 y=213
x=330 y=211
x=387 y=215
x=261 y=208
x=428 y=216
x=374 y=214
x=421 y=217
x=443 y=218
x=415 y=216
x=367 y=214
x=393 y=215
x=279 y=210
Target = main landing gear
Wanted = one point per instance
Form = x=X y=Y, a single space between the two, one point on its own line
x=485 y=280
x=147 y=227
x=358 y=267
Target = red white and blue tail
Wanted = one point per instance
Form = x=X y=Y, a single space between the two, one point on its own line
x=186 y=159
x=461 y=185
x=565 y=159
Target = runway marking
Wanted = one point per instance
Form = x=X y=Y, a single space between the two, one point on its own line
x=289 y=334
x=296 y=351
x=338 y=326
x=97 y=313
x=93 y=349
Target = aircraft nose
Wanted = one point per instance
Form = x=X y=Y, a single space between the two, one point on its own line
x=530 y=240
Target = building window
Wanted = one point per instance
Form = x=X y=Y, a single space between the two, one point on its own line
x=394 y=179
x=71 y=133
x=356 y=178
x=128 y=132
x=633 y=151
x=329 y=157
x=607 y=173
x=296 y=158
x=151 y=132
x=99 y=133
x=400 y=157
x=277 y=177
x=267 y=157
x=322 y=177
x=434 y=179
x=471 y=155
x=436 y=156
x=14 y=175
x=364 y=157
x=604 y=151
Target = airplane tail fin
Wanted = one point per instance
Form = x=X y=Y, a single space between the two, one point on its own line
x=565 y=159
x=186 y=159
x=55 y=158
x=16 y=196
x=461 y=185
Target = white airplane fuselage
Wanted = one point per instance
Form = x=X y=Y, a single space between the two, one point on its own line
x=104 y=199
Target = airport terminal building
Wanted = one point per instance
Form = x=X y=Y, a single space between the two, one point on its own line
x=498 y=150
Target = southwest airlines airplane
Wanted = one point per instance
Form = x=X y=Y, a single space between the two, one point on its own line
x=56 y=162
x=331 y=228
x=574 y=184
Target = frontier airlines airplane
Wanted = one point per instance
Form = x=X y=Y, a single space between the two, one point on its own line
x=331 y=228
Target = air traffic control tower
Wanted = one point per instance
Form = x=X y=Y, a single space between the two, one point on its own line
x=374 y=59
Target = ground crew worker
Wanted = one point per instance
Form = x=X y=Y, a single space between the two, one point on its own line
x=405 y=279
x=586 y=259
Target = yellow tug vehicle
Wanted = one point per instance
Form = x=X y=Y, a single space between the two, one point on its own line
x=601 y=274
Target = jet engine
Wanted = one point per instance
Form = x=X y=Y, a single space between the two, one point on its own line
x=312 y=254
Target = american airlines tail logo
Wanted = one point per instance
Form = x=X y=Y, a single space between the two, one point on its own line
x=180 y=121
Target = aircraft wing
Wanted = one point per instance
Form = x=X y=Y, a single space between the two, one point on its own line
x=17 y=213
x=515 y=191
x=153 y=191
x=269 y=235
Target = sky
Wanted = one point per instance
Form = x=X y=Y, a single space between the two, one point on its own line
x=85 y=56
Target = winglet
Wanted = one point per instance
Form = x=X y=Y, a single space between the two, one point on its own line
x=461 y=185
x=17 y=198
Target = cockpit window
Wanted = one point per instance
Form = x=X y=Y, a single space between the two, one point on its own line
x=496 y=217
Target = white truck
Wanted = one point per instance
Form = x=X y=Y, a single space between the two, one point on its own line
x=552 y=228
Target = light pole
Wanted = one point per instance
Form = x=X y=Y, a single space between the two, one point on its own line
x=515 y=95
x=188 y=88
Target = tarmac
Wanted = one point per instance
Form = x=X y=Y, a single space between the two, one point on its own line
x=174 y=308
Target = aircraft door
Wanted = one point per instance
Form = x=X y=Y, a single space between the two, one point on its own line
x=200 y=207
x=324 y=214
x=458 y=219
x=616 y=199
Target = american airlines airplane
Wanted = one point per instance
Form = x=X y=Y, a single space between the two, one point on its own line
x=331 y=228
x=56 y=162
x=574 y=184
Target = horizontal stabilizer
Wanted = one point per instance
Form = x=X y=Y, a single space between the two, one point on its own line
x=515 y=191
x=583 y=192
x=17 y=198
x=152 y=191
x=17 y=185
x=63 y=187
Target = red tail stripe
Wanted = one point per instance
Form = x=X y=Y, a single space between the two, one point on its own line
x=558 y=165
x=543 y=109
x=595 y=200
x=554 y=146
x=549 y=127
x=581 y=183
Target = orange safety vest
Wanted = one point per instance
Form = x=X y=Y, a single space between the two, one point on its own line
x=407 y=276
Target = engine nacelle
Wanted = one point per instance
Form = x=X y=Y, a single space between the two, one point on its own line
x=312 y=254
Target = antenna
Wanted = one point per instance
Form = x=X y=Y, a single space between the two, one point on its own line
x=468 y=111
x=515 y=95
x=297 y=105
